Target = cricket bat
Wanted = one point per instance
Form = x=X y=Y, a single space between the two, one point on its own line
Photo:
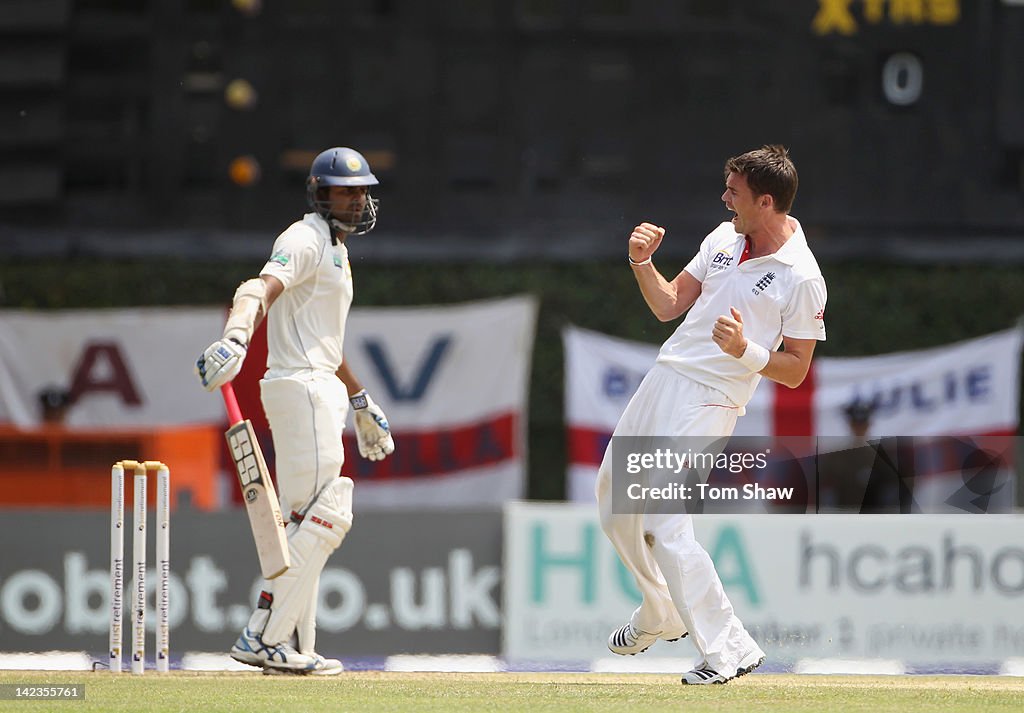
x=257 y=490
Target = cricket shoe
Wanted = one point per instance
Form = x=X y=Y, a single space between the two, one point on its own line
x=706 y=674
x=627 y=641
x=250 y=649
x=321 y=667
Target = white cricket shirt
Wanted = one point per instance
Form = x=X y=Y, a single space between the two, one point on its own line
x=782 y=294
x=306 y=323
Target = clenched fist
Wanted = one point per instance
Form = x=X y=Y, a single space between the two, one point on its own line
x=728 y=334
x=644 y=240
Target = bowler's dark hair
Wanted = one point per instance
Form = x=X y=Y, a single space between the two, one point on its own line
x=768 y=171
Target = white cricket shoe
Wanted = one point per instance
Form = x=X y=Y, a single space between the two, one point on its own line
x=705 y=674
x=627 y=641
x=250 y=649
x=321 y=667
x=325 y=667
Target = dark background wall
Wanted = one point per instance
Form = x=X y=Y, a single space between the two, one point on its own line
x=507 y=128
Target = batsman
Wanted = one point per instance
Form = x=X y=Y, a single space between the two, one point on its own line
x=305 y=291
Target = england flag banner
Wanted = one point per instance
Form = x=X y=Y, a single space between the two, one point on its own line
x=967 y=388
x=970 y=388
x=453 y=381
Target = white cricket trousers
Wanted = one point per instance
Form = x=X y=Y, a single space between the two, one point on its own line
x=681 y=589
x=306 y=411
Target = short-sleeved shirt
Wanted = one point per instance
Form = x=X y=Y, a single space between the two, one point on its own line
x=777 y=295
x=306 y=323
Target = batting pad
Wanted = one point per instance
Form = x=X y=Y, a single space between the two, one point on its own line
x=326 y=523
x=305 y=627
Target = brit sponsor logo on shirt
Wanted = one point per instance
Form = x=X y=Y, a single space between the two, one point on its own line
x=762 y=284
x=722 y=260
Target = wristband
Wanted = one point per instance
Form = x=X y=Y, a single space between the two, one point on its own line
x=359 y=400
x=634 y=263
x=755 y=357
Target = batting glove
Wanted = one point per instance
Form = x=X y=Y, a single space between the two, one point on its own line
x=220 y=363
x=373 y=434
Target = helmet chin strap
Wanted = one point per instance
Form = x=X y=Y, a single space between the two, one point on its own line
x=336 y=227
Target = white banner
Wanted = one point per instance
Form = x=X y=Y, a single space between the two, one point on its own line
x=921 y=589
x=968 y=388
x=448 y=364
x=123 y=368
x=452 y=380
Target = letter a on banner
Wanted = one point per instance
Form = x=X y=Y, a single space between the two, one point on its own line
x=88 y=375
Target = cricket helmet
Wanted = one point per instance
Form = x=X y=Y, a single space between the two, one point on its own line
x=341 y=166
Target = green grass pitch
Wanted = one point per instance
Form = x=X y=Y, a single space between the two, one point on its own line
x=510 y=692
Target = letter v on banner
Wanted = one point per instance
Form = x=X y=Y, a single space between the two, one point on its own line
x=422 y=376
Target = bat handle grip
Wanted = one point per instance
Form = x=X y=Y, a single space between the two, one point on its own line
x=231 y=402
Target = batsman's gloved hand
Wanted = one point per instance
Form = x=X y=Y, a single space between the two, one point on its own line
x=373 y=434
x=220 y=363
